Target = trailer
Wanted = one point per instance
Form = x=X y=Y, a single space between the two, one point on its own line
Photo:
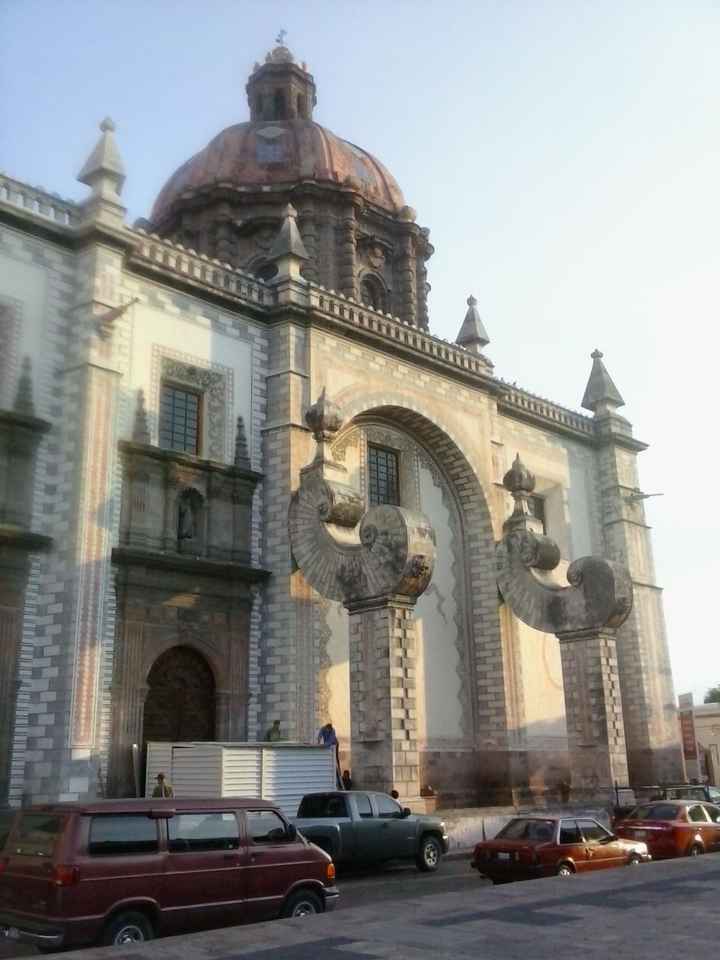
x=280 y=772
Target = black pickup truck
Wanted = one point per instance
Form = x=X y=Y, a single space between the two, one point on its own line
x=358 y=827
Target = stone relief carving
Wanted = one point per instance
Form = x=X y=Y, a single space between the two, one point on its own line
x=599 y=592
x=391 y=551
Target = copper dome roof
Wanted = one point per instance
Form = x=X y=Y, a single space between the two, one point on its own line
x=263 y=153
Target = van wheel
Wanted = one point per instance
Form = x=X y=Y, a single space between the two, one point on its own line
x=304 y=903
x=127 y=928
x=428 y=859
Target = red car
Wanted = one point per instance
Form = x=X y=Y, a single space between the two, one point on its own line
x=530 y=847
x=674 y=828
x=125 y=871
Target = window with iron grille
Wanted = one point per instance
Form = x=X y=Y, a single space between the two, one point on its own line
x=179 y=419
x=383 y=483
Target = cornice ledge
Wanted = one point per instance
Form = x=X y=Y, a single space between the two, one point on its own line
x=222 y=569
x=132 y=448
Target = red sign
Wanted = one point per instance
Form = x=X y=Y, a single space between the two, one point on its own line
x=687 y=732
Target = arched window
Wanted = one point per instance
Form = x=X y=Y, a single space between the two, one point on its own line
x=279 y=105
x=266 y=271
x=372 y=292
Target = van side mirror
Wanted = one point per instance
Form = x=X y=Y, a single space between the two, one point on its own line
x=406 y=812
x=292 y=832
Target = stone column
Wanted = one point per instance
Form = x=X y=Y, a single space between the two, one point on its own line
x=408 y=280
x=308 y=232
x=382 y=694
x=347 y=258
x=593 y=712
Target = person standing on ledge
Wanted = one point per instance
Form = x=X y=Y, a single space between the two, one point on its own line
x=274 y=733
x=328 y=738
x=163 y=788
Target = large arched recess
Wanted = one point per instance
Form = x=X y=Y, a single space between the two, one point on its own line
x=488 y=687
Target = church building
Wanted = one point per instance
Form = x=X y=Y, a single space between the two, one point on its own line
x=241 y=481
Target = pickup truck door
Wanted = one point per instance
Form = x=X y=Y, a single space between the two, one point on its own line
x=367 y=843
x=398 y=834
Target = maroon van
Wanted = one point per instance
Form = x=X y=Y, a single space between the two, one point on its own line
x=125 y=871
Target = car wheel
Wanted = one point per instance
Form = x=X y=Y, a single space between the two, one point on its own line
x=127 y=928
x=304 y=903
x=695 y=850
x=430 y=853
x=634 y=860
x=565 y=870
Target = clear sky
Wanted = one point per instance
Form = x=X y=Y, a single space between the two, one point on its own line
x=564 y=154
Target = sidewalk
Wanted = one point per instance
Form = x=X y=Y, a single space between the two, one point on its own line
x=659 y=910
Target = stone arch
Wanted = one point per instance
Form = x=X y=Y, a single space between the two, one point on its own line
x=373 y=291
x=437 y=438
x=180 y=702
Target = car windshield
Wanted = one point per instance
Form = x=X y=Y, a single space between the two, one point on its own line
x=539 y=831
x=655 y=811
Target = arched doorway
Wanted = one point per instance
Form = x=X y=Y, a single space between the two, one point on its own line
x=180 y=704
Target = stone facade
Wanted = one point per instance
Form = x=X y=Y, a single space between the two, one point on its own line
x=125 y=563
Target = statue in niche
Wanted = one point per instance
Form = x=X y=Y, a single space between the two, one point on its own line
x=187 y=518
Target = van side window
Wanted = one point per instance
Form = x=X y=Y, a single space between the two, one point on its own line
x=265 y=826
x=122 y=834
x=363 y=805
x=190 y=832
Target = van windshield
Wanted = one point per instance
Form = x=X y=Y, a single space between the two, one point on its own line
x=36 y=835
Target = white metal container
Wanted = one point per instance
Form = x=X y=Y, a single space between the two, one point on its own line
x=279 y=772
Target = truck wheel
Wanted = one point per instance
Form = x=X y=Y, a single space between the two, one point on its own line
x=127 y=928
x=303 y=903
x=428 y=859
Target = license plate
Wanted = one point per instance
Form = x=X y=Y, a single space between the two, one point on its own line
x=503 y=856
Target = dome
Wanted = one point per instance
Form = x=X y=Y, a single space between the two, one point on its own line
x=265 y=153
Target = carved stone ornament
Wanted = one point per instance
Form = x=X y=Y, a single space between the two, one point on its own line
x=345 y=553
x=599 y=592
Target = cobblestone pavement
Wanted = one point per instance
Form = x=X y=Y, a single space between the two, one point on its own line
x=658 y=910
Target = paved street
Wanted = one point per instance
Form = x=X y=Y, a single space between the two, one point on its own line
x=664 y=909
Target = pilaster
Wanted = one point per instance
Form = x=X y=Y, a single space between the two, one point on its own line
x=383 y=711
x=593 y=713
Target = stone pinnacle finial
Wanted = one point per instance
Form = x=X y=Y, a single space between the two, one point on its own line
x=288 y=241
x=141 y=431
x=288 y=250
x=601 y=393
x=520 y=483
x=24 y=402
x=242 y=455
x=473 y=335
x=324 y=418
x=104 y=171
